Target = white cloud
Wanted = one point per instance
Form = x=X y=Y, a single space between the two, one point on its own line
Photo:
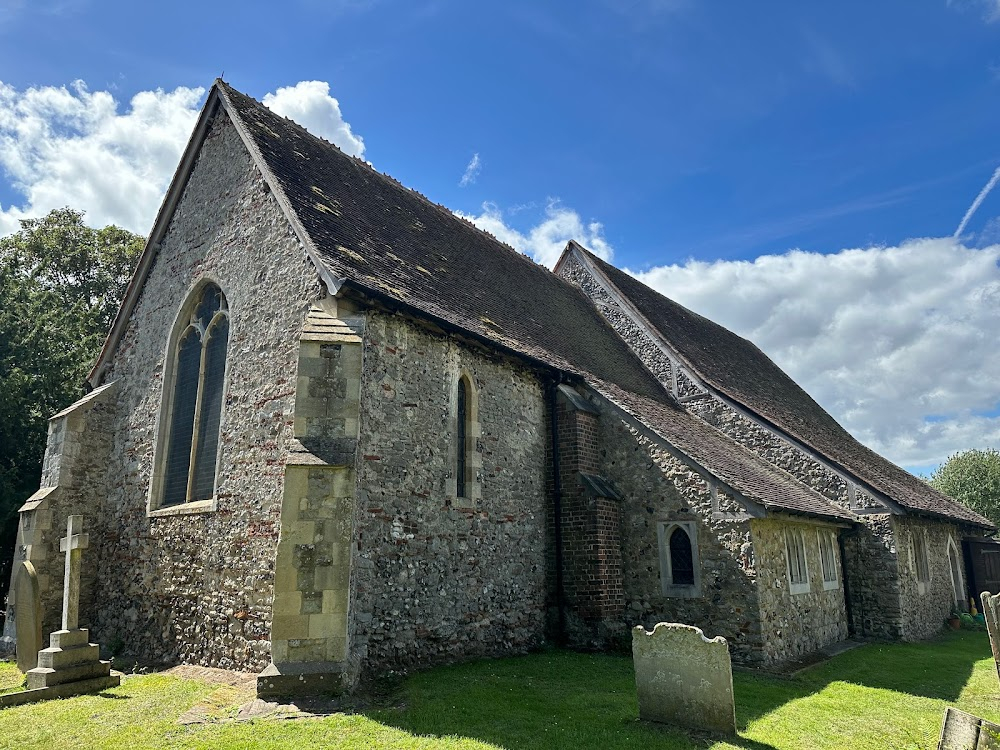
x=899 y=344
x=310 y=105
x=471 y=171
x=69 y=146
x=990 y=8
x=545 y=241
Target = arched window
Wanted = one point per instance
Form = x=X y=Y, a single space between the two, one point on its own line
x=681 y=558
x=465 y=490
x=461 y=436
x=194 y=410
x=679 y=575
x=957 y=582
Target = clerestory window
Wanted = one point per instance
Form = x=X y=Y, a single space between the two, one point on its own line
x=194 y=409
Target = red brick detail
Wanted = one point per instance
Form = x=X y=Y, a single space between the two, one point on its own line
x=591 y=527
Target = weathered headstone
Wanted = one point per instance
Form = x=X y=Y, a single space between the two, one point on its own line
x=71 y=663
x=27 y=616
x=684 y=678
x=991 y=605
x=962 y=731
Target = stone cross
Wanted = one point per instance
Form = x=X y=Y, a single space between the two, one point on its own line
x=73 y=544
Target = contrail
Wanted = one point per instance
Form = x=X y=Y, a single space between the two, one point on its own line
x=977 y=202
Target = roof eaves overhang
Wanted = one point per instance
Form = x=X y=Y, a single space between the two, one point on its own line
x=753 y=507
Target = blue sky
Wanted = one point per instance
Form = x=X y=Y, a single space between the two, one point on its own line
x=698 y=144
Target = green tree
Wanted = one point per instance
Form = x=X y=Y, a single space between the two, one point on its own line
x=60 y=285
x=973 y=478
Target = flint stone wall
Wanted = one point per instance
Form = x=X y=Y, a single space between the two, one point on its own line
x=872 y=576
x=436 y=579
x=76 y=457
x=869 y=580
x=923 y=611
x=658 y=488
x=197 y=588
x=684 y=678
x=796 y=624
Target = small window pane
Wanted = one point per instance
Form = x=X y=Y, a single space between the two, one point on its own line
x=211 y=410
x=920 y=553
x=796 y=549
x=827 y=556
x=210 y=303
x=182 y=419
x=681 y=559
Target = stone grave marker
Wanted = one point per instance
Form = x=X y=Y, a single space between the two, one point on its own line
x=991 y=605
x=27 y=616
x=962 y=731
x=72 y=663
x=684 y=678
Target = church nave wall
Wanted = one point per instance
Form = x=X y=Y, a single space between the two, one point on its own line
x=439 y=577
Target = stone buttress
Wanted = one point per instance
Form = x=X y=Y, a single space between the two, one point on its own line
x=310 y=621
x=78 y=449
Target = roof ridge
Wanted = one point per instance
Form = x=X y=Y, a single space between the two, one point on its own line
x=449 y=213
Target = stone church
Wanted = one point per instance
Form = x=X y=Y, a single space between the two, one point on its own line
x=336 y=430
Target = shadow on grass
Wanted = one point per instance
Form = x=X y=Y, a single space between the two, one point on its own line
x=561 y=699
x=936 y=669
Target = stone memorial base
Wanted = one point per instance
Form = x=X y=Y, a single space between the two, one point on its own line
x=71 y=658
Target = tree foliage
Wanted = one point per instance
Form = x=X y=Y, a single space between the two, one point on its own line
x=973 y=478
x=60 y=285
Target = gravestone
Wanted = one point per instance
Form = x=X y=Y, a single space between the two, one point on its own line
x=684 y=678
x=27 y=616
x=962 y=731
x=991 y=605
x=71 y=661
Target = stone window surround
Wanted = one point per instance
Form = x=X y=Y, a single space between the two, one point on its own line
x=664 y=528
x=828 y=565
x=957 y=575
x=162 y=429
x=919 y=561
x=795 y=541
x=473 y=431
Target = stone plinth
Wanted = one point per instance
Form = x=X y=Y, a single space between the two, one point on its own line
x=684 y=678
x=303 y=678
x=71 y=658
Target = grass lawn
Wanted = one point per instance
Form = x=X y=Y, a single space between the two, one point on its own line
x=878 y=696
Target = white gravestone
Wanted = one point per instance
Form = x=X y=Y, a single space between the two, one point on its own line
x=684 y=678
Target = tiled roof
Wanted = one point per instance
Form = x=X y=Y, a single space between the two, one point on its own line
x=391 y=242
x=741 y=371
x=751 y=476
